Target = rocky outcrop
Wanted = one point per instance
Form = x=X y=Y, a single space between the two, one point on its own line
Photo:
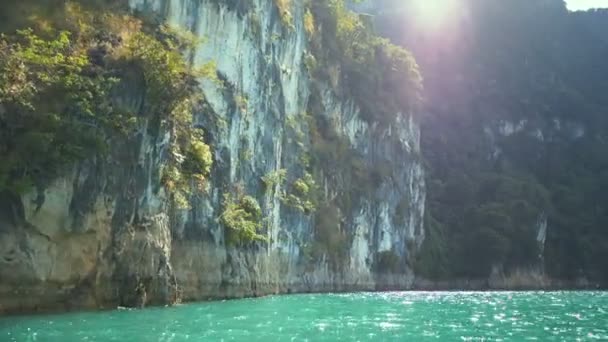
x=106 y=234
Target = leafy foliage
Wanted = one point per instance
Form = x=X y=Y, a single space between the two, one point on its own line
x=55 y=107
x=309 y=22
x=382 y=77
x=58 y=85
x=242 y=218
x=274 y=178
x=284 y=8
x=532 y=61
x=303 y=194
x=171 y=94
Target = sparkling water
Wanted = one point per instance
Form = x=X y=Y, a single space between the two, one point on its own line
x=391 y=316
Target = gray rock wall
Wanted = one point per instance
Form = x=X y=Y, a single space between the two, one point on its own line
x=106 y=235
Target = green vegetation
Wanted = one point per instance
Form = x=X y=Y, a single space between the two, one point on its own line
x=274 y=178
x=431 y=260
x=241 y=103
x=178 y=178
x=51 y=116
x=383 y=78
x=170 y=95
x=532 y=61
x=198 y=159
x=59 y=82
x=309 y=22
x=311 y=63
x=302 y=195
x=242 y=219
x=284 y=8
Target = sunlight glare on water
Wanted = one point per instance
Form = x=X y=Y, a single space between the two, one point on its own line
x=394 y=316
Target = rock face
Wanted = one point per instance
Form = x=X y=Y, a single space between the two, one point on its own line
x=106 y=234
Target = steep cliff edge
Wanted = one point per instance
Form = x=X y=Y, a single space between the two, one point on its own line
x=514 y=136
x=342 y=197
x=158 y=151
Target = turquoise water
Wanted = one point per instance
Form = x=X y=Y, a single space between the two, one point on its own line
x=395 y=316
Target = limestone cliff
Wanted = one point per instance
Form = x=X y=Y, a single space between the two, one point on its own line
x=106 y=234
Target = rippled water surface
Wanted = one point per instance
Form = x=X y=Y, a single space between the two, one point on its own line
x=396 y=316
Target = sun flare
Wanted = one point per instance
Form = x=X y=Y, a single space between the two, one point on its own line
x=433 y=13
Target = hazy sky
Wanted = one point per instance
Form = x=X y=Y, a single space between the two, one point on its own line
x=574 y=5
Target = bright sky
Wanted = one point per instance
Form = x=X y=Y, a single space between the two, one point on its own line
x=574 y=5
x=434 y=13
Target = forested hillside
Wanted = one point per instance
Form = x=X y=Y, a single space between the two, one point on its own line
x=515 y=131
